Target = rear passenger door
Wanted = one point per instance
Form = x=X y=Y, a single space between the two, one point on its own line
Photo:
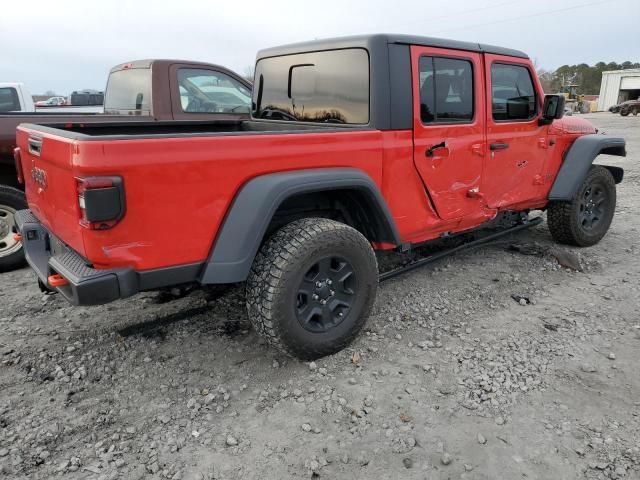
x=516 y=144
x=449 y=121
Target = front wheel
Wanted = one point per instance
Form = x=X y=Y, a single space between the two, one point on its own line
x=311 y=287
x=11 y=253
x=624 y=113
x=585 y=219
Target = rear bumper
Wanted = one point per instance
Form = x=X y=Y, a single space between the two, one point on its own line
x=87 y=285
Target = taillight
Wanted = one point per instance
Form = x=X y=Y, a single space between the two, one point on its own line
x=18 y=159
x=101 y=201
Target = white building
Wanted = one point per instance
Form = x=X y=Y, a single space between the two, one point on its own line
x=618 y=86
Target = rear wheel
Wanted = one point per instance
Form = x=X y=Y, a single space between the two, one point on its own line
x=311 y=287
x=635 y=111
x=11 y=253
x=585 y=219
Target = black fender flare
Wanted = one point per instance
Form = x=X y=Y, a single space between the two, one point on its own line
x=253 y=208
x=578 y=161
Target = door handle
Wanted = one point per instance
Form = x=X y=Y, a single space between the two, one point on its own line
x=498 y=146
x=432 y=148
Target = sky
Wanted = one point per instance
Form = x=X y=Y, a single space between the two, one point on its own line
x=67 y=45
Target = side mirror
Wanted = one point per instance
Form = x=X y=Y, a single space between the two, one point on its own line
x=553 y=109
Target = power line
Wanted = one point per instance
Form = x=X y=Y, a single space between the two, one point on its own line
x=450 y=15
x=525 y=16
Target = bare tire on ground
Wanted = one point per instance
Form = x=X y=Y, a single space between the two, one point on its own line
x=11 y=253
x=311 y=287
x=585 y=219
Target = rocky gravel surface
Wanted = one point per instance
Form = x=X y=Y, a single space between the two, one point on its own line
x=518 y=359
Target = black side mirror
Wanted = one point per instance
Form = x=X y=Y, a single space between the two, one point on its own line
x=553 y=108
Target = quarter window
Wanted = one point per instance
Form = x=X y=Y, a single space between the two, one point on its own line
x=446 y=90
x=513 y=95
x=321 y=87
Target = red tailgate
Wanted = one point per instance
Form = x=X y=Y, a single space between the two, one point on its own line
x=50 y=185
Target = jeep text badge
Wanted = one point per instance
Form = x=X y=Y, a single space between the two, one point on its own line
x=39 y=176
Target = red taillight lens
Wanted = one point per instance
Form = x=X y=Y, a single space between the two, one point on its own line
x=101 y=201
x=18 y=159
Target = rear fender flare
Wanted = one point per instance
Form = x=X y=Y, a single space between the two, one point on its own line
x=253 y=208
x=578 y=161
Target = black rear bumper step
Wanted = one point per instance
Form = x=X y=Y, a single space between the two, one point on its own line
x=88 y=285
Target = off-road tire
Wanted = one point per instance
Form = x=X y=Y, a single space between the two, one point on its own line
x=11 y=200
x=564 y=217
x=283 y=263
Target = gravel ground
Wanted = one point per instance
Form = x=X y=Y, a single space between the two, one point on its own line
x=453 y=377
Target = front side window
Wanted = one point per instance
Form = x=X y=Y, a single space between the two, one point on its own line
x=513 y=96
x=321 y=87
x=208 y=91
x=9 y=101
x=446 y=90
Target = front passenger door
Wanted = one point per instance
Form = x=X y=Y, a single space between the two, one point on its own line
x=516 y=144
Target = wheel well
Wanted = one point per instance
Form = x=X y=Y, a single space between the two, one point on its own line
x=350 y=206
x=8 y=176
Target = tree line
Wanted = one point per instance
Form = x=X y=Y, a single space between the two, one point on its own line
x=587 y=77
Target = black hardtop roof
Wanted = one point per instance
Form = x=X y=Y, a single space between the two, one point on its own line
x=376 y=40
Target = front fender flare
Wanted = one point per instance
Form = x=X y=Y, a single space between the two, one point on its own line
x=251 y=212
x=579 y=159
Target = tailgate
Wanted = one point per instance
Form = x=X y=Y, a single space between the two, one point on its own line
x=50 y=185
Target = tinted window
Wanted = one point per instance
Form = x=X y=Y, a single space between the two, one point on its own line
x=446 y=90
x=513 y=95
x=328 y=87
x=9 y=101
x=207 y=91
x=129 y=90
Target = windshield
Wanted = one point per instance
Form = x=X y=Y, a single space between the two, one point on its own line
x=321 y=87
x=210 y=91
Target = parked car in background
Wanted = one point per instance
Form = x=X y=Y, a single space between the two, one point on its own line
x=630 y=106
x=86 y=98
x=145 y=92
x=52 y=102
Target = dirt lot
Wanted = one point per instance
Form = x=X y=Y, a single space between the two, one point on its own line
x=452 y=379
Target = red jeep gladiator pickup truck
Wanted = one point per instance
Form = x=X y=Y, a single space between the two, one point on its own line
x=355 y=144
x=137 y=91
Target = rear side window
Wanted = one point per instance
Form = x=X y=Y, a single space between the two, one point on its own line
x=513 y=95
x=446 y=90
x=9 y=101
x=208 y=91
x=129 y=90
x=321 y=87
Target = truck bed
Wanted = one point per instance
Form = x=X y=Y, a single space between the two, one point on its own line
x=110 y=130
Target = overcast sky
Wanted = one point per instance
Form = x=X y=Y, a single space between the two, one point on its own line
x=67 y=45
